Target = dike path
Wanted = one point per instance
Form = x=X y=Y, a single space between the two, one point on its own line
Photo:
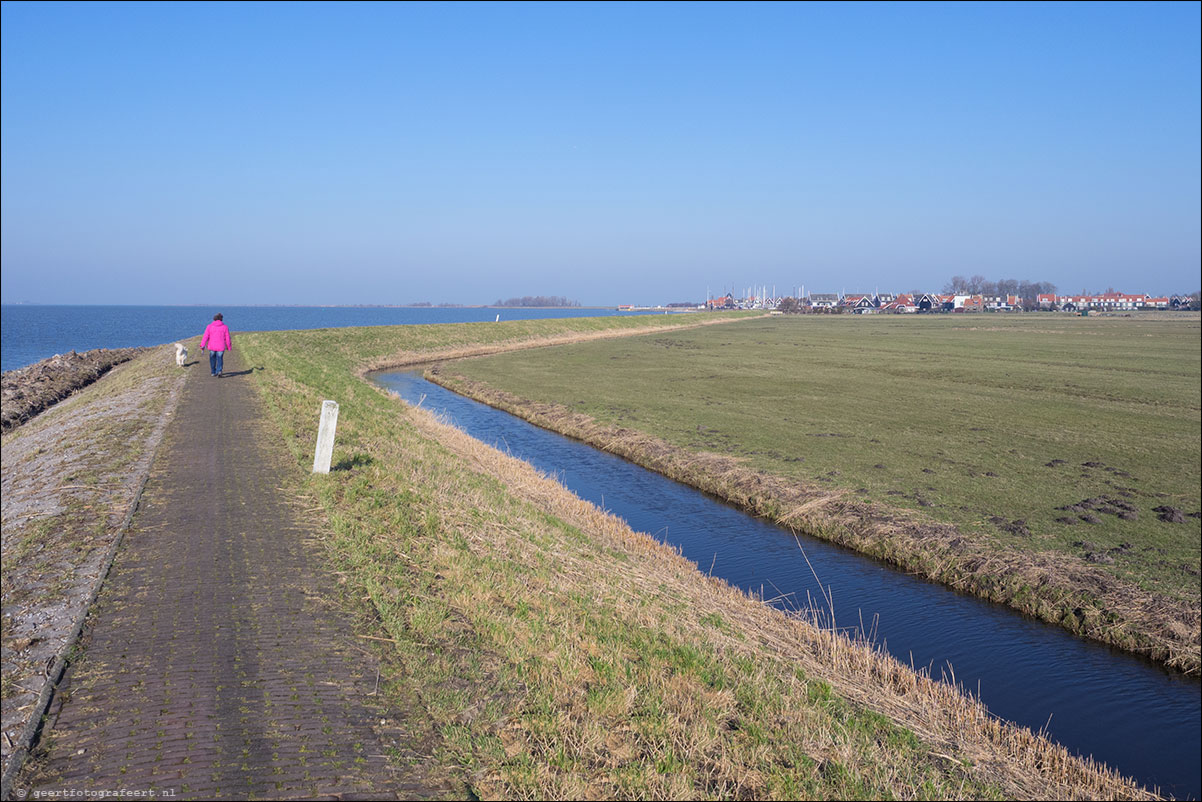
x=217 y=662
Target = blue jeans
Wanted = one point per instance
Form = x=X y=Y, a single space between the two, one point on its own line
x=215 y=360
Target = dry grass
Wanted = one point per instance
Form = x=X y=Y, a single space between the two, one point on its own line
x=955 y=728
x=1056 y=587
x=562 y=655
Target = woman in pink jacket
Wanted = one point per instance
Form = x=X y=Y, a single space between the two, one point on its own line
x=217 y=341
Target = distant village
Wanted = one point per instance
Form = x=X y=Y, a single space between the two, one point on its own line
x=908 y=303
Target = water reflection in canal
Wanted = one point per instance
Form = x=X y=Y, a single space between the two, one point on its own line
x=1125 y=711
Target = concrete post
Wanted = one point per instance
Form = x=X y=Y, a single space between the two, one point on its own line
x=325 y=437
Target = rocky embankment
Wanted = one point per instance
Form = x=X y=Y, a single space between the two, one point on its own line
x=33 y=389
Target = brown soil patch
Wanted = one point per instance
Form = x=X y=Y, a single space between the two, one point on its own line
x=1170 y=515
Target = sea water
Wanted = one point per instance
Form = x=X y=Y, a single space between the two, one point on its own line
x=33 y=332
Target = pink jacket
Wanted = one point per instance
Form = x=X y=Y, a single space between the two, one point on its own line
x=216 y=337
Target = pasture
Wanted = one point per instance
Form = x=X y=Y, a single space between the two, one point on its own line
x=1036 y=433
x=557 y=654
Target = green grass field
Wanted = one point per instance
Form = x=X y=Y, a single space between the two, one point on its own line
x=994 y=423
x=558 y=655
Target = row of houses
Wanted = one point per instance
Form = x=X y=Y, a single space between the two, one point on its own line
x=864 y=303
x=927 y=302
x=860 y=303
x=1112 y=301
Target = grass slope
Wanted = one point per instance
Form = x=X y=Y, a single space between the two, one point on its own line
x=1070 y=437
x=561 y=655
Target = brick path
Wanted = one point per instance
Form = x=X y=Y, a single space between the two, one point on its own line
x=214 y=665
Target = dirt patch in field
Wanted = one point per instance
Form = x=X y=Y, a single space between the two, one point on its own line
x=1012 y=527
x=30 y=390
x=1059 y=588
x=1088 y=510
x=1170 y=515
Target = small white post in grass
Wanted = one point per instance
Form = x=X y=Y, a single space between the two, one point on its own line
x=325 y=437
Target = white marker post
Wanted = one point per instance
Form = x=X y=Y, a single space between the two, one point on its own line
x=325 y=437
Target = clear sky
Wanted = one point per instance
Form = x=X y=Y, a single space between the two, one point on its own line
x=610 y=153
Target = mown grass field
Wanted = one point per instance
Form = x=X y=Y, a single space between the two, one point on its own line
x=560 y=655
x=1039 y=433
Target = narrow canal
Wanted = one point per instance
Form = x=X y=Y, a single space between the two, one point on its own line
x=1123 y=710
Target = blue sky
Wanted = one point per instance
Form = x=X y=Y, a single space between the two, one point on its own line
x=610 y=153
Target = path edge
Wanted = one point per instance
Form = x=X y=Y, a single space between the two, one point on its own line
x=54 y=675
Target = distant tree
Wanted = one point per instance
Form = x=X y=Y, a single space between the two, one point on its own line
x=1196 y=298
x=1046 y=288
x=1027 y=291
x=957 y=286
x=537 y=300
x=789 y=305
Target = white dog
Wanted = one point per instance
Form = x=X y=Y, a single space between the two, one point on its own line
x=181 y=354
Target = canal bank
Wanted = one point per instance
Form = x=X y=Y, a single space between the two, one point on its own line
x=563 y=655
x=1099 y=701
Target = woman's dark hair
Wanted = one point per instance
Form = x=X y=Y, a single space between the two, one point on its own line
x=217 y=316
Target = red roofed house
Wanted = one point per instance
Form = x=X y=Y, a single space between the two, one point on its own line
x=903 y=303
x=1118 y=301
x=725 y=302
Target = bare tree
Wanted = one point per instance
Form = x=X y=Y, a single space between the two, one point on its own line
x=1028 y=291
x=956 y=286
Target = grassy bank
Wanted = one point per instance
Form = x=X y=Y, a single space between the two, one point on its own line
x=561 y=655
x=1050 y=463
